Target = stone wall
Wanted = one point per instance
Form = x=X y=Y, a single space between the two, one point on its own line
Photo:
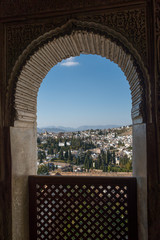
x=133 y=26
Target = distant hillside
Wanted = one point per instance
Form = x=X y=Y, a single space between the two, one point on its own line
x=127 y=131
x=82 y=128
x=50 y=129
x=69 y=129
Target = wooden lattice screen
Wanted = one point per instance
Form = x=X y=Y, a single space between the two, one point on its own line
x=82 y=208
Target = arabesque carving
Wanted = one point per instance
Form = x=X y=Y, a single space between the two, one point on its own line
x=158 y=34
x=158 y=50
x=158 y=16
x=8 y=7
x=157 y=28
x=20 y=36
x=73 y=38
x=130 y=23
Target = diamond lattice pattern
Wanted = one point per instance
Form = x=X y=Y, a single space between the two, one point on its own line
x=87 y=211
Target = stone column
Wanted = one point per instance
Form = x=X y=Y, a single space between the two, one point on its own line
x=140 y=172
x=24 y=160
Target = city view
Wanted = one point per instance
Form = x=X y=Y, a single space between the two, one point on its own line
x=91 y=151
x=92 y=92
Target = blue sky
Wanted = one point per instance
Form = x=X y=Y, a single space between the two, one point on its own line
x=84 y=90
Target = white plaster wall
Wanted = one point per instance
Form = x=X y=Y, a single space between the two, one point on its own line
x=140 y=172
x=24 y=157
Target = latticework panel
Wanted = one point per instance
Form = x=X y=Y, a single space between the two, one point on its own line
x=74 y=208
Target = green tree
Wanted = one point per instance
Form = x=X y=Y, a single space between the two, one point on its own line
x=43 y=169
x=100 y=132
x=109 y=168
x=88 y=161
x=61 y=154
x=74 y=160
x=70 y=157
x=78 y=161
x=53 y=167
x=99 y=162
x=66 y=155
x=41 y=160
x=109 y=157
x=38 y=141
x=113 y=158
x=41 y=155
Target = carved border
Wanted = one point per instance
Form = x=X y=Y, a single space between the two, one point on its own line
x=68 y=29
x=130 y=23
x=157 y=36
x=7 y=7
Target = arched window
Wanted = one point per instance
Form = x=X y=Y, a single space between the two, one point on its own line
x=32 y=66
x=78 y=96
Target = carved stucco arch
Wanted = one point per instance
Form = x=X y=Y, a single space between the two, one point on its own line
x=38 y=58
x=72 y=39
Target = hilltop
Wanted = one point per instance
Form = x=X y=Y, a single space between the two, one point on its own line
x=70 y=129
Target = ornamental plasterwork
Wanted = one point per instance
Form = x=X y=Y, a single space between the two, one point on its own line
x=157 y=21
x=158 y=16
x=20 y=36
x=19 y=7
x=98 y=39
x=130 y=23
x=158 y=34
